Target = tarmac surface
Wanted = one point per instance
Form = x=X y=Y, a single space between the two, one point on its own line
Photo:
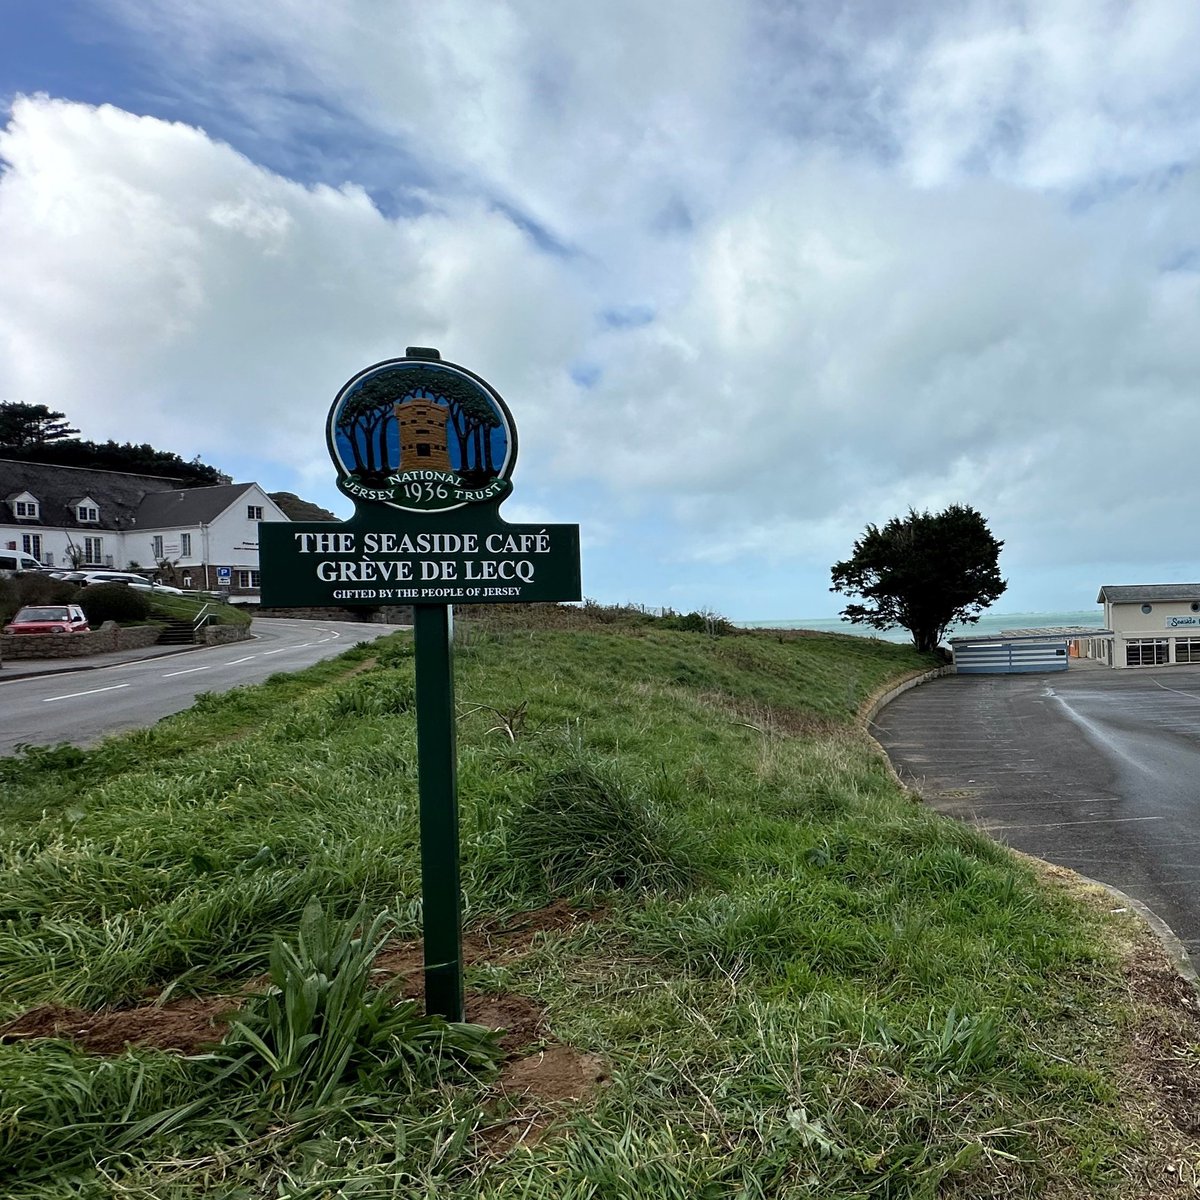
x=79 y=701
x=1094 y=769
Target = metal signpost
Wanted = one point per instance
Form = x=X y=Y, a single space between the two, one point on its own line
x=426 y=451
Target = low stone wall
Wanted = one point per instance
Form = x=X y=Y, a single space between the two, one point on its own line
x=220 y=635
x=108 y=637
x=391 y=614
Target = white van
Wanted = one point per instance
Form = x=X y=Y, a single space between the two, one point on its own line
x=14 y=562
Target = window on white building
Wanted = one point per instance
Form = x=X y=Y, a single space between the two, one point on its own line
x=1187 y=650
x=85 y=512
x=31 y=543
x=185 y=545
x=93 y=551
x=27 y=509
x=254 y=512
x=248 y=579
x=156 y=547
x=1145 y=652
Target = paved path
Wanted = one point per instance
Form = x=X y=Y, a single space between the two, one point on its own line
x=1093 y=769
x=83 y=706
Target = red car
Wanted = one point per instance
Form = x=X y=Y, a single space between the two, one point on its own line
x=48 y=618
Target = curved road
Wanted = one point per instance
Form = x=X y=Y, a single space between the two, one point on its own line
x=81 y=707
x=1094 y=769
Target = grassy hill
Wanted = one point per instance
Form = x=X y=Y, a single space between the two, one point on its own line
x=732 y=957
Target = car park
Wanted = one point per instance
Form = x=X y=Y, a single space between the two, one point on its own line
x=130 y=578
x=48 y=618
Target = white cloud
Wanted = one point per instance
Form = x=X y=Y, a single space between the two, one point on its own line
x=161 y=287
x=866 y=260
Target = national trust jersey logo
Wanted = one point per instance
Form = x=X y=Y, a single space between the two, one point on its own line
x=423 y=436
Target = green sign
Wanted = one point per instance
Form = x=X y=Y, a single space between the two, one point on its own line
x=386 y=558
x=426 y=451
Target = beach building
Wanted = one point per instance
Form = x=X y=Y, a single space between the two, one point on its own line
x=1153 y=624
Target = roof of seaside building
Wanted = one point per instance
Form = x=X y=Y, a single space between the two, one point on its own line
x=1048 y=633
x=1142 y=592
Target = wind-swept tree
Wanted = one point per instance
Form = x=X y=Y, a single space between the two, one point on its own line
x=480 y=419
x=363 y=421
x=31 y=426
x=924 y=573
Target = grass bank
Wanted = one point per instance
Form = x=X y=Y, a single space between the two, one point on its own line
x=188 y=608
x=754 y=966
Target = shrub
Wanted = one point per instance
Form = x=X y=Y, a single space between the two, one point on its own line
x=322 y=1026
x=33 y=588
x=585 y=828
x=113 y=602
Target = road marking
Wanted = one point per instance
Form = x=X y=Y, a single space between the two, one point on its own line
x=284 y=650
x=72 y=696
x=241 y=660
x=1056 y=824
x=189 y=671
x=1189 y=695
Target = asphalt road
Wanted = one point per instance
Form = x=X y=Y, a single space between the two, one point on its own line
x=82 y=707
x=1093 y=769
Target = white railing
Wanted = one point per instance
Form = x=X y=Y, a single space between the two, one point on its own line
x=202 y=619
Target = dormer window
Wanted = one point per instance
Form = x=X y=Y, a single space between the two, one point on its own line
x=24 y=507
x=87 y=511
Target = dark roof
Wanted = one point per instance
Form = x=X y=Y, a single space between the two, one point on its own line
x=187 y=506
x=1145 y=592
x=117 y=494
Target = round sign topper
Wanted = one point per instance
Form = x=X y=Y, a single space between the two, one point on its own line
x=422 y=435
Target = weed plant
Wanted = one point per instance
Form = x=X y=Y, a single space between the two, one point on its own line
x=805 y=984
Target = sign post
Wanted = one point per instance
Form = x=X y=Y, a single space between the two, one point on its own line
x=426 y=451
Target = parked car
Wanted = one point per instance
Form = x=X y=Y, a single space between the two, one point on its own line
x=48 y=618
x=83 y=578
x=14 y=562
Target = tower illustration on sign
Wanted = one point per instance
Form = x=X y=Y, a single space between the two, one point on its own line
x=424 y=436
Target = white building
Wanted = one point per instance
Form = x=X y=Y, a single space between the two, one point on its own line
x=1153 y=624
x=70 y=517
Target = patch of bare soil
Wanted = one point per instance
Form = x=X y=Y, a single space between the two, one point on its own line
x=186 y=1025
x=1159 y=1054
x=539 y=1088
x=556 y=1075
x=508 y=940
x=519 y=1020
x=1161 y=1066
x=190 y=1024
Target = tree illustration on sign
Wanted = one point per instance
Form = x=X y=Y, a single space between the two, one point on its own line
x=363 y=422
x=366 y=423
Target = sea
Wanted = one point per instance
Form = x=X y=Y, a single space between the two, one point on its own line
x=991 y=622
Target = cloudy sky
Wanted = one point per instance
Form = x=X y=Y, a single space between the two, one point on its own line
x=749 y=274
